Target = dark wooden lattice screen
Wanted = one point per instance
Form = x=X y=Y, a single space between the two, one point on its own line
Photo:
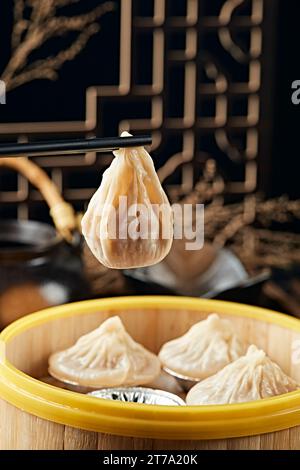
x=195 y=73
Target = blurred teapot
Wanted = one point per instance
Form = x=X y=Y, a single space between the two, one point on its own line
x=38 y=269
x=40 y=266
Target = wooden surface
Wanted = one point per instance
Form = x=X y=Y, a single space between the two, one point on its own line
x=29 y=352
x=31 y=433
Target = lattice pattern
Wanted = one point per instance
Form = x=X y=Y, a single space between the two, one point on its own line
x=199 y=94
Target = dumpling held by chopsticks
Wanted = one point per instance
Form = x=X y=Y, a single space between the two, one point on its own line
x=129 y=221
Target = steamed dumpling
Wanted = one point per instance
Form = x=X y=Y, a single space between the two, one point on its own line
x=251 y=377
x=129 y=220
x=206 y=348
x=105 y=357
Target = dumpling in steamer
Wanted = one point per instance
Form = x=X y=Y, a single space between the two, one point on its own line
x=206 y=348
x=129 y=220
x=105 y=357
x=251 y=377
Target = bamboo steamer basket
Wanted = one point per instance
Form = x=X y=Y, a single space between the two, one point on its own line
x=36 y=415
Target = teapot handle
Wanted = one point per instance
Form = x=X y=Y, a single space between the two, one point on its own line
x=62 y=213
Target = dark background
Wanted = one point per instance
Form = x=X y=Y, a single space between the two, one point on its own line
x=286 y=143
x=64 y=100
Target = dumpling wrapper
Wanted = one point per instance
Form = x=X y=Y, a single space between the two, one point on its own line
x=105 y=357
x=207 y=347
x=251 y=377
x=140 y=235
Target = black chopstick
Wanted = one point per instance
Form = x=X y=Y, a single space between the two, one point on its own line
x=64 y=147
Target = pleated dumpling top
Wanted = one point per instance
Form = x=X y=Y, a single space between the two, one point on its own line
x=207 y=347
x=105 y=357
x=251 y=377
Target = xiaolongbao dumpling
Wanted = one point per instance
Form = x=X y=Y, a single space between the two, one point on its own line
x=129 y=220
x=206 y=348
x=105 y=357
x=251 y=377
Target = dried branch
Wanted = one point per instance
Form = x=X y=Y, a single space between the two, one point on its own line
x=20 y=24
x=244 y=226
x=43 y=24
x=48 y=69
x=257 y=247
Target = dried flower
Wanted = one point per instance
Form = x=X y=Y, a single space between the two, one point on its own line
x=44 y=22
x=246 y=226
